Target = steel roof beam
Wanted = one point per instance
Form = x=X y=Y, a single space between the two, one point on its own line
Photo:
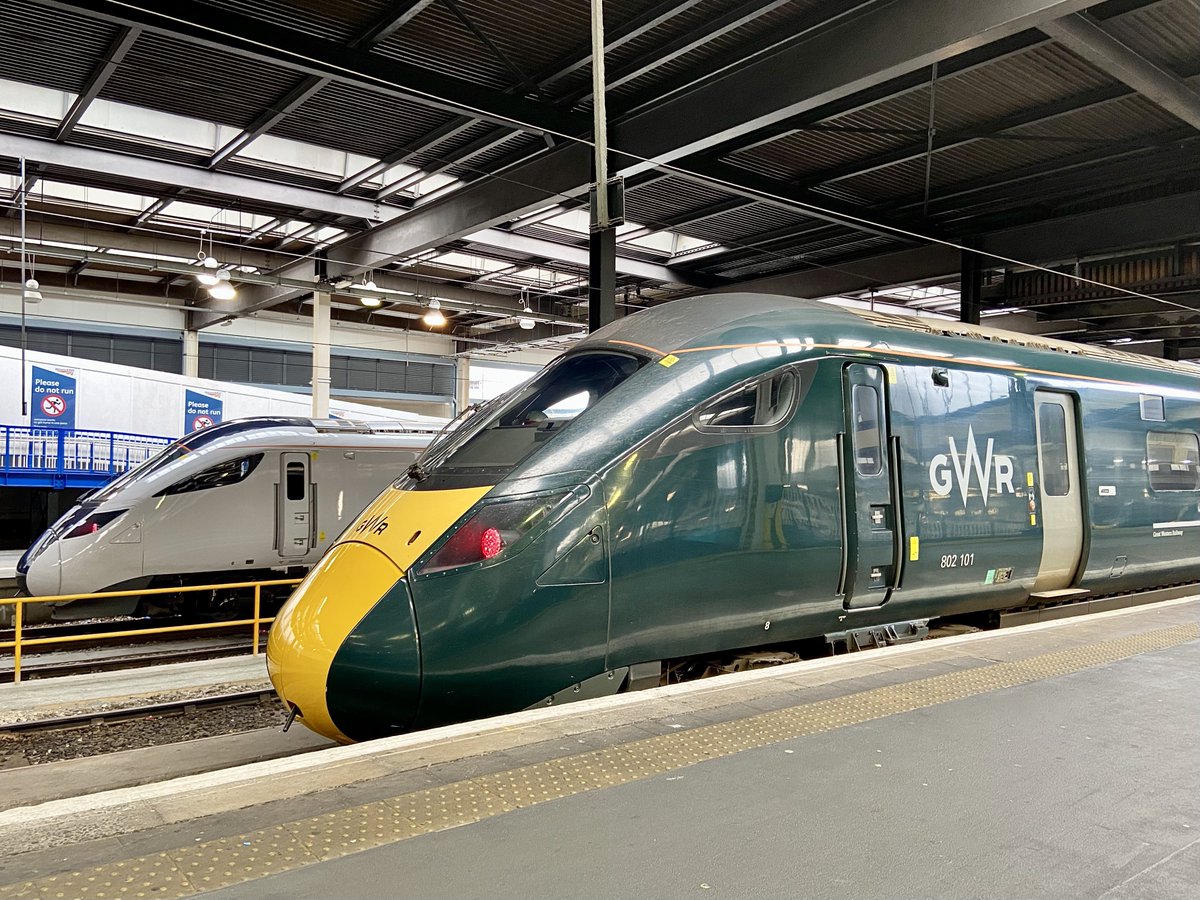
x=116 y=53
x=865 y=50
x=1084 y=37
x=388 y=25
x=175 y=175
x=256 y=38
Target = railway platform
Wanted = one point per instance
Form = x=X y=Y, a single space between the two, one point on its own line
x=1051 y=760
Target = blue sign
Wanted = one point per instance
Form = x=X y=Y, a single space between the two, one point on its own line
x=52 y=398
x=201 y=411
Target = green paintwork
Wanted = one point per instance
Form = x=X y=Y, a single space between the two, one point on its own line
x=711 y=541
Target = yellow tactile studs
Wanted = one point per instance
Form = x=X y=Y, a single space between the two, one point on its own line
x=218 y=863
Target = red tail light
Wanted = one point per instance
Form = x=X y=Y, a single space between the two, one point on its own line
x=492 y=531
x=93 y=523
x=491 y=543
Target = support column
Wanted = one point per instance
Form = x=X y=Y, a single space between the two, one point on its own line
x=602 y=243
x=462 y=382
x=602 y=277
x=971 y=286
x=191 y=353
x=320 y=354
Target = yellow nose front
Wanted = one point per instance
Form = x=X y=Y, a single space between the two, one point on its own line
x=314 y=623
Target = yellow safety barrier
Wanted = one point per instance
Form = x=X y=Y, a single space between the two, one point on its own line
x=17 y=643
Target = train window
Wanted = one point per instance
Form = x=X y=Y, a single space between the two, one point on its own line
x=229 y=472
x=1153 y=409
x=295 y=481
x=1052 y=431
x=868 y=443
x=529 y=416
x=1173 y=461
x=764 y=404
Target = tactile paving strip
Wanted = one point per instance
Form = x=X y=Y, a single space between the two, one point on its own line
x=219 y=863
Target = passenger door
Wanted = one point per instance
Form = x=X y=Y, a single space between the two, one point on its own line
x=1061 y=505
x=294 y=510
x=870 y=514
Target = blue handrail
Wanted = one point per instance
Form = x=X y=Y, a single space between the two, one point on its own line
x=59 y=458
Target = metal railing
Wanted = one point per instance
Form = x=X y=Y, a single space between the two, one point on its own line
x=18 y=643
x=56 y=456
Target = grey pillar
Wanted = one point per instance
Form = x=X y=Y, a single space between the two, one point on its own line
x=971 y=286
x=191 y=353
x=320 y=355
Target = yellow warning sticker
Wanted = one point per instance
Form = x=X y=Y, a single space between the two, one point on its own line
x=320 y=536
x=1032 y=519
x=669 y=360
x=914 y=548
x=1029 y=479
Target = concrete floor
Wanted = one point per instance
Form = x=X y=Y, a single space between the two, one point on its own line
x=1083 y=786
x=1055 y=760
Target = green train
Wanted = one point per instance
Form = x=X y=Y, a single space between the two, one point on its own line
x=720 y=475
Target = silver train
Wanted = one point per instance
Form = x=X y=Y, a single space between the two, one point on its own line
x=246 y=500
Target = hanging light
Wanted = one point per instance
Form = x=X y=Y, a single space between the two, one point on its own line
x=434 y=317
x=370 y=300
x=223 y=289
x=33 y=292
x=208 y=262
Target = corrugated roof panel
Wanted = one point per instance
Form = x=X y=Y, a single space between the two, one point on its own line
x=746 y=222
x=51 y=47
x=972 y=98
x=177 y=77
x=1130 y=117
x=340 y=21
x=532 y=37
x=1167 y=33
x=660 y=201
x=450 y=146
x=489 y=161
x=777 y=25
x=338 y=117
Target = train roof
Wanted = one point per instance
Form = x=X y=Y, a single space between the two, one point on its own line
x=710 y=319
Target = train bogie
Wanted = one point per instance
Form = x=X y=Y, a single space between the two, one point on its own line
x=795 y=474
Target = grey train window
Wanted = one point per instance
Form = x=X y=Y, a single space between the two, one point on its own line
x=763 y=404
x=1056 y=473
x=295 y=481
x=1152 y=407
x=229 y=472
x=1172 y=461
x=868 y=447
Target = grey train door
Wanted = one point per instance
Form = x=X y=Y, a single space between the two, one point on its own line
x=294 y=517
x=1060 y=494
x=869 y=513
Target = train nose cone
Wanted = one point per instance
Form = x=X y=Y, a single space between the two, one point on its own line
x=316 y=652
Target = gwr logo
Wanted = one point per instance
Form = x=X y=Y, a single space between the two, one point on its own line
x=993 y=472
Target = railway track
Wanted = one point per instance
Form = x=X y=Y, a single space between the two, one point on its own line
x=182 y=707
x=86 y=661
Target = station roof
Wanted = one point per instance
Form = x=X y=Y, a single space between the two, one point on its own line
x=440 y=149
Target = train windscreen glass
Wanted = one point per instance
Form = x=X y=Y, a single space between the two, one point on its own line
x=538 y=411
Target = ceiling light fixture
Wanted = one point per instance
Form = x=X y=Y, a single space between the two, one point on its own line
x=369 y=300
x=222 y=288
x=33 y=292
x=434 y=317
